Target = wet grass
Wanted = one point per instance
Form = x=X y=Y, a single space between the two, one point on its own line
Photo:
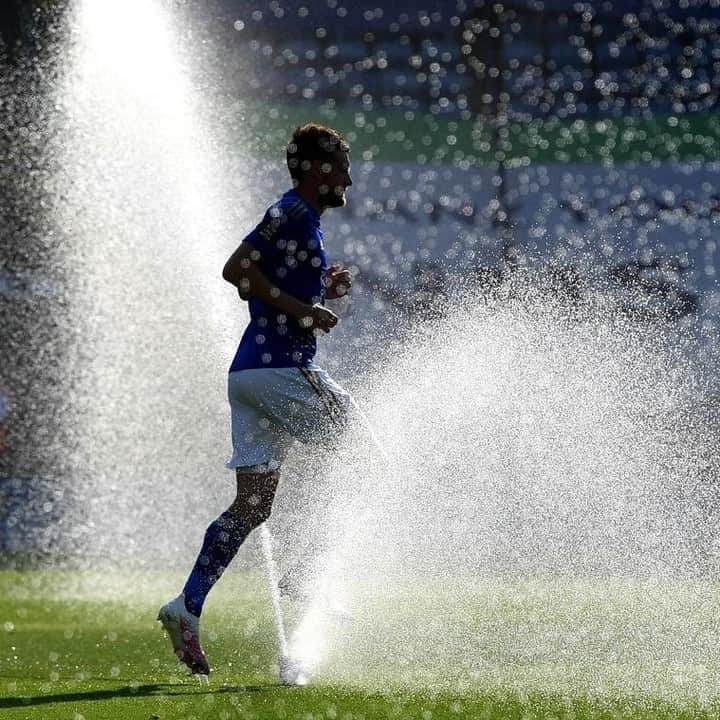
x=87 y=646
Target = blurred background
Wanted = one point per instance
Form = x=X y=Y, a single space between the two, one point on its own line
x=563 y=148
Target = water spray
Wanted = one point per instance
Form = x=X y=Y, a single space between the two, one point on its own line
x=371 y=434
x=290 y=672
x=309 y=637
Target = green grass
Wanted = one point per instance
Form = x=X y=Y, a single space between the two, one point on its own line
x=426 y=138
x=76 y=645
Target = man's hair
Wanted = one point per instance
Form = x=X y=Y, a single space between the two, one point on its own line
x=313 y=142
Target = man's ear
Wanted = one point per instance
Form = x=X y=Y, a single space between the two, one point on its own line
x=309 y=168
x=316 y=169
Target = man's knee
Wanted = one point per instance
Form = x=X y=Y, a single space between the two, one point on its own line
x=255 y=494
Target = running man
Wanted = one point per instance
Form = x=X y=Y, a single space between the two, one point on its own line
x=277 y=394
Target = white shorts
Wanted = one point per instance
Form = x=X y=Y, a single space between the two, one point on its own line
x=271 y=407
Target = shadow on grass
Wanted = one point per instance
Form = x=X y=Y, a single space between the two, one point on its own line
x=493 y=706
x=126 y=692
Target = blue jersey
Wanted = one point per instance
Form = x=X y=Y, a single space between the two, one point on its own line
x=293 y=259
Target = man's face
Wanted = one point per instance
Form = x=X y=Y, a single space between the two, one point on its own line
x=334 y=179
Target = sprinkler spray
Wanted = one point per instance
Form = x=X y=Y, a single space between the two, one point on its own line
x=290 y=671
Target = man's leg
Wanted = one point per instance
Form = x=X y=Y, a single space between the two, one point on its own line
x=327 y=413
x=223 y=538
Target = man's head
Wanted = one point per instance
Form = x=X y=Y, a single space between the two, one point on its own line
x=319 y=163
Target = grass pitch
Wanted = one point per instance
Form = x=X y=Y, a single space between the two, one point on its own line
x=87 y=646
x=437 y=139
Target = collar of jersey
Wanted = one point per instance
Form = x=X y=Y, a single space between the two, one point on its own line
x=313 y=212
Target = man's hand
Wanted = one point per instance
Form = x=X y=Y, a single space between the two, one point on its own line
x=319 y=318
x=338 y=282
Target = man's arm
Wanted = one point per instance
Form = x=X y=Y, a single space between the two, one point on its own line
x=242 y=271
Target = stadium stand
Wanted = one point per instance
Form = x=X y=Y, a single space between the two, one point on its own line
x=531 y=57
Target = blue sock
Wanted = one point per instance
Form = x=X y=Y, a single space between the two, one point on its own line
x=223 y=539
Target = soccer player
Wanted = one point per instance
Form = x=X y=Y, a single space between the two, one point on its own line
x=276 y=391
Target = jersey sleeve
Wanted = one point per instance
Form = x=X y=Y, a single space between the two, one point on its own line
x=263 y=236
